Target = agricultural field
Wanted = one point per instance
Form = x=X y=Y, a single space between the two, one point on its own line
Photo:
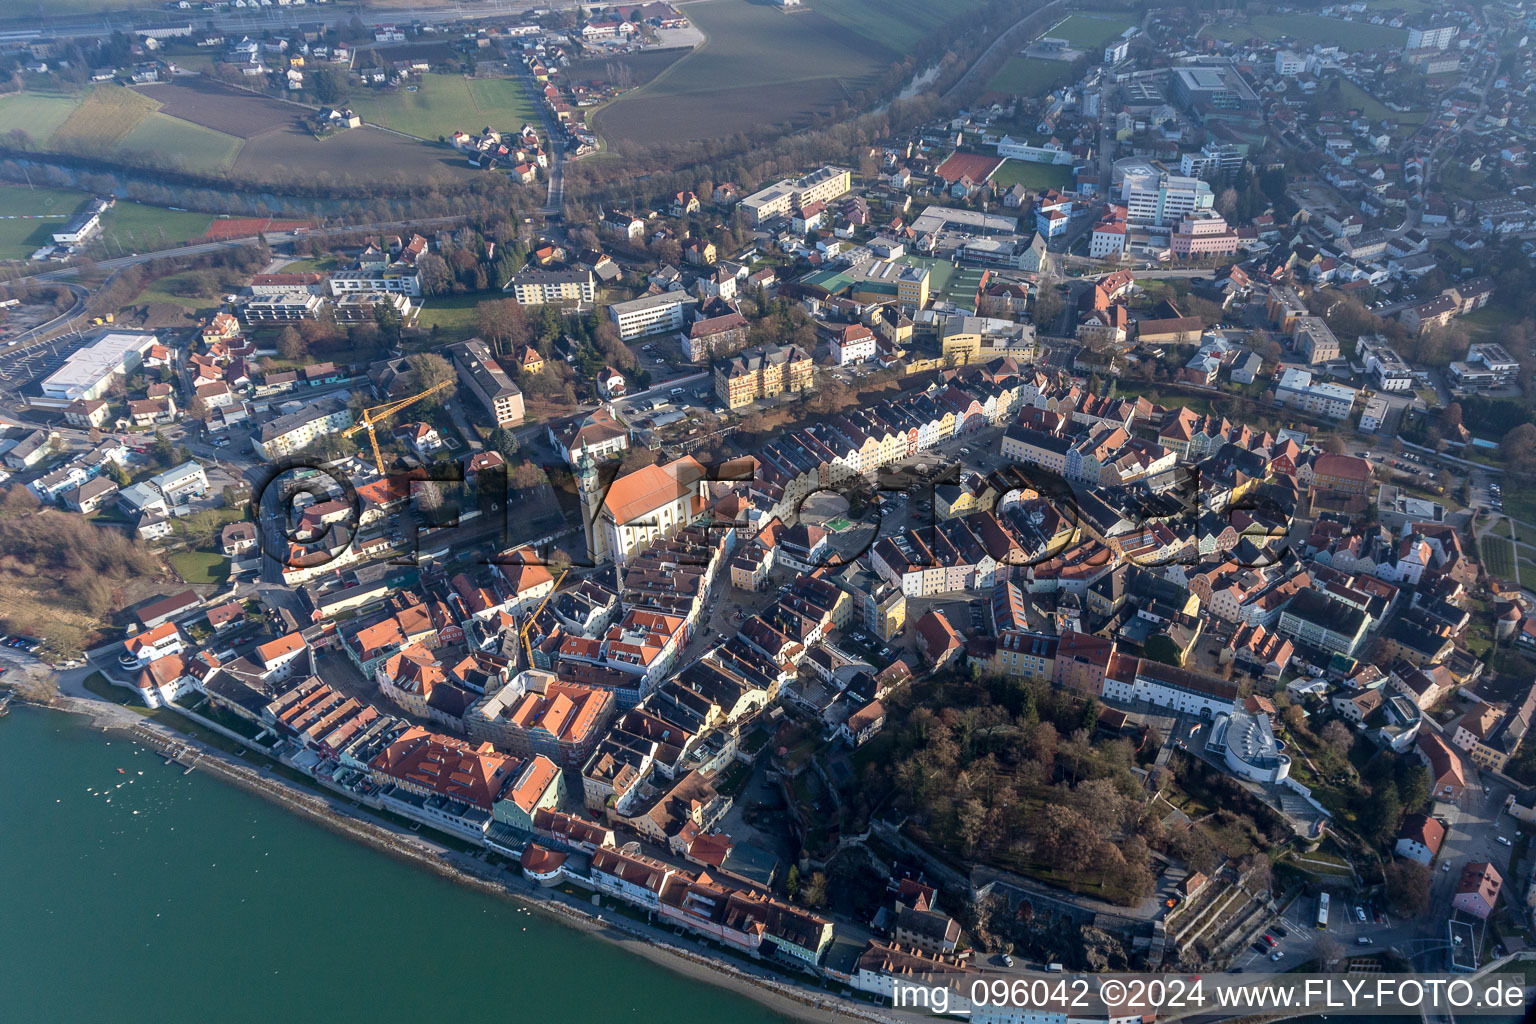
x=208 y=128
x=439 y=106
x=759 y=67
x=1498 y=556
x=1033 y=176
x=1030 y=76
x=1307 y=29
x=182 y=144
x=1086 y=32
x=104 y=117
x=220 y=107
x=39 y=114
x=896 y=25
x=636 y=68
x=30 y=216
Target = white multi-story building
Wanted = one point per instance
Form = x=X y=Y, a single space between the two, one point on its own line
x=402 y=280
x=1381 y=360
x=289 y=433
x=1289 y=63
x=1297 y=389
x=488 y=381
x=552 y=287
x=1189 y=693
x=1436 y=38
x=1153 y=196
x=651 y=314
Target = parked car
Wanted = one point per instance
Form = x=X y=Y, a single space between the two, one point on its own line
x=1277 y=955
x=1364 y=940
x=1360 y=914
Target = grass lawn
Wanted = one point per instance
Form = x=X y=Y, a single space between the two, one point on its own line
x=321 y=266
x=166 y=290
x=39 y=114
x=454 y=314
x=161 y=138
x=1032 y=175
x=1375 y=110
x=29 y=217
x=1498 y=556
x=151 y=227
x=1485 y=323
x=444 y=104
x=897 y=25
x=1520 y=503
x=1087 y=33
x=200 y=566
x=504 y=101
x=1307 y=29
x=1029 y=76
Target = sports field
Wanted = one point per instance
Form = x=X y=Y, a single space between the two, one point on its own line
x=1030 y=76
x=29 y=217
x=1031 y=175
x=1086 y=32
x=1307 y=29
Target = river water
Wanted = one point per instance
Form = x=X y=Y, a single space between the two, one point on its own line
x=150 y=896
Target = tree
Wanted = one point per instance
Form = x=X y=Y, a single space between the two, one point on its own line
x=330 y=88
x=1338 y=737
x=503 y=323
x=504 y=442
x=814 y=893
x=433 y=273
x=792 y=881
x=1408 y=886
x=291 y=345
x=427 y=370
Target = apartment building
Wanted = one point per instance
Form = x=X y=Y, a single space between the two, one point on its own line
x=552 y=287
x=287 y=434
x=488 y=381
x=784 y=197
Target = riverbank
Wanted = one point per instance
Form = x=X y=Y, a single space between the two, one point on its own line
x=656 y=945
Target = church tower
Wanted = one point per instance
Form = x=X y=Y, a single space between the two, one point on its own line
x=589 y=491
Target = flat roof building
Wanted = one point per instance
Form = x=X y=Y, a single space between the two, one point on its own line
x=89 y=371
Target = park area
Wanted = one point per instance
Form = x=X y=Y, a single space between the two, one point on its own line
x=760 y=67
x=1030 y=76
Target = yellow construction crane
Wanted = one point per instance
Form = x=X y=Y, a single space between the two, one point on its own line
x=528 y=624
x=377 y=414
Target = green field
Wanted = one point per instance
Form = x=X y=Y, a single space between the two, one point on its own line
x=20 y=233
x=39 y=114
x=505 y=101
x=151 y=227
x=897 y=25
x=1498 y=556
x=1030 y=76
x=1307 y=29
x=1087 y=33
x=455 y=315
x=760 y=68
x=181 y=144
x=200 y=566
x=1032 y=175
x=444 y=104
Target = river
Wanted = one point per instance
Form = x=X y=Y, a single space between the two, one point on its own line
x=150 y=896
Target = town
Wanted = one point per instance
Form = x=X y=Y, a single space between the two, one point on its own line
x=1081 y=525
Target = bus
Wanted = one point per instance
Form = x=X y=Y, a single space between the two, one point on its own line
x=1322 y=911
